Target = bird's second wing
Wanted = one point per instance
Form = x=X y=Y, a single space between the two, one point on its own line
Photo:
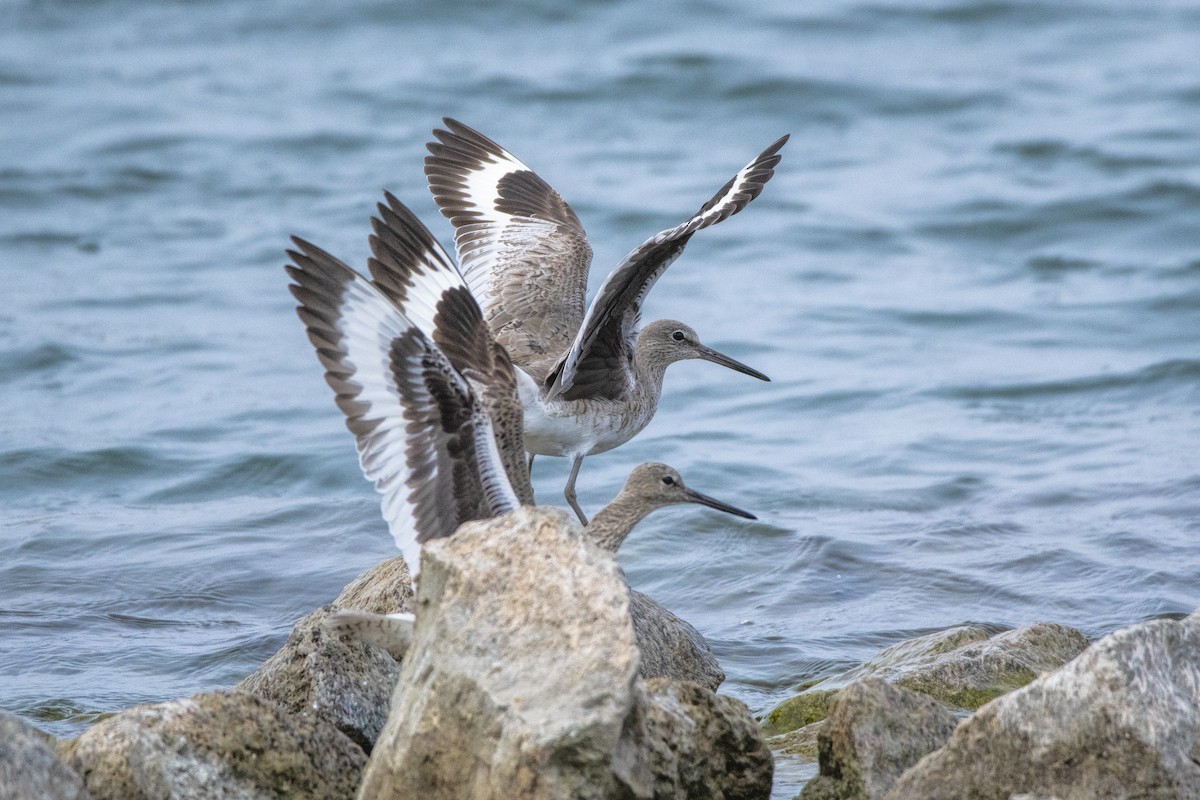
x=591 y=367
x=521 y=248
x=422 y=437
x=415 y=273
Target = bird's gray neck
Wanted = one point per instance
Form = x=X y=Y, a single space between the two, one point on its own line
x=649 y=368
x=613 y=523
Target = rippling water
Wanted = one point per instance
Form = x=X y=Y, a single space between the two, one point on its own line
x=975 y=281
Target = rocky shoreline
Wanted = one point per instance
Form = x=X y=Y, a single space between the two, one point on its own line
x=535 y=672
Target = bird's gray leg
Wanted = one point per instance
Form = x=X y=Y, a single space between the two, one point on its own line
x=569 y=491
x=531 y=455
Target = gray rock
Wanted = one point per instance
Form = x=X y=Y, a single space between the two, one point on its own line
x=874 y=732
x=971 y=675
x=392 y=632
x=346 y=682
x=1120 y=721
x=29 y=767
x=521 y=671
x=691 y=743
x=221 y=744
x=801 y=742
x=386 y=588
x=522 y=681
x=671 y=648
x=964 y=667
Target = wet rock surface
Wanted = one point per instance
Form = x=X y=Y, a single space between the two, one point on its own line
x=964 y=667
x=971 y=675
x=695 y=744
x=343 y=681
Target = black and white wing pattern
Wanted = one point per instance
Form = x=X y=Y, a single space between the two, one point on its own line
x=520 y=246
x=591 y=368
x=409 y=265
x=423 y=438
x=411 y=268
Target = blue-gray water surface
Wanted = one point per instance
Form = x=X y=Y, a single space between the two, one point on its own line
x=974 y=280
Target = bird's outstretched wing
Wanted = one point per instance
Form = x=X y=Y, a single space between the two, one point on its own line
x=411 y=268
x=591 y=368
x=520 y=246
x=423 y=438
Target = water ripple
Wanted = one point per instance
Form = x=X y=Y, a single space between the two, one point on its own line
x=1176 y=373
x=973 y=281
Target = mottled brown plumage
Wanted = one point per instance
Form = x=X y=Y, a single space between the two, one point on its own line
x=525 y=257
x=423 y=433
x=650 y=487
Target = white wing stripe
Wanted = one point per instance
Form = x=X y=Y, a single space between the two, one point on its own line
x=369 y=323
x=742 y=189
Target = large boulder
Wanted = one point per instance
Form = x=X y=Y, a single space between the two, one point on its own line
x=874 y=732
x=29 y=767
x=1120 y=721
x=974 y=673
x=522 y=681
x=964 y=667
x=670 y=647
x=343 y=681
x=220 y=744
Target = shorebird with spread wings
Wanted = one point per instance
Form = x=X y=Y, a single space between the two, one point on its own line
x=431 y=397
x=589 y=379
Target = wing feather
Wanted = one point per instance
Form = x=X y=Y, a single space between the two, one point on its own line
x=522 y=249
x=410 y=267
x=422 y=436
x=609 y=330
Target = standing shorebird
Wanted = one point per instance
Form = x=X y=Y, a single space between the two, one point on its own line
x=436 y=417
x=590 y=381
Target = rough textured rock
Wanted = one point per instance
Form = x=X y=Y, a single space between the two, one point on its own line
x=29 y=767
x=386 y=588
x=971 y=675
x=697 y=745
x=221 y=744
x=670 y=647
x=346 y=682
x=874 y=732
x=801 y=742
x=964 y=667
x=797 y=712
x=521 y=672
x=1120 y=721
x=522 y=681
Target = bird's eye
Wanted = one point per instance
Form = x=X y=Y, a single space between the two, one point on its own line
x=678 y=336
x=668 y=480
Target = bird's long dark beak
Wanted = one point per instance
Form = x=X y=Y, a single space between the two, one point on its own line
x=695 y=497
x=708 y=354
